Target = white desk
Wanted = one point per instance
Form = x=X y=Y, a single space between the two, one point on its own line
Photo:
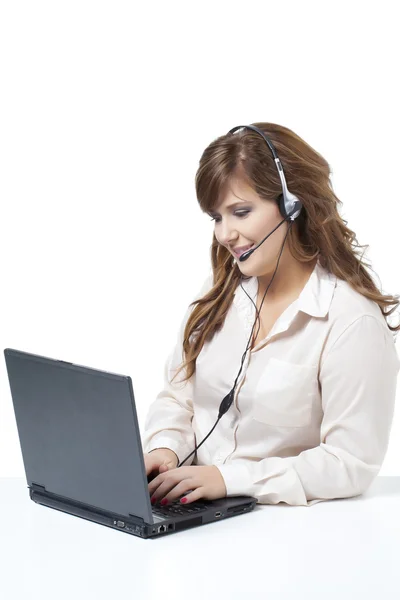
x=335 y=550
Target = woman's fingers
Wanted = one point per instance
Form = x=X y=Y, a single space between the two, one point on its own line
x=181 y=489
x=171 y=489
x=170 y=478
x=201 y=481
x=164 y=483
x=194 y=495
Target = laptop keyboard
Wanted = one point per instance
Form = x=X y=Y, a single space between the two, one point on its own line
x=176 y=508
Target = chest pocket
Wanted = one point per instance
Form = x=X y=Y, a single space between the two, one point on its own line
x=285 y=393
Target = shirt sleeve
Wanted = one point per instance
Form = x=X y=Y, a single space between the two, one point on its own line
x=168 y=422
x=358 y=381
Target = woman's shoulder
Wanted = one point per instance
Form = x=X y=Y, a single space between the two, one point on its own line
x=348 y=305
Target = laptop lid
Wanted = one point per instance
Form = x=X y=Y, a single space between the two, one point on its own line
x=79 y=433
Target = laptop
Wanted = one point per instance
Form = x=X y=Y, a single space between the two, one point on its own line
x=82 y=451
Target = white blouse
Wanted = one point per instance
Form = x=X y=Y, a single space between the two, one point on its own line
x=313 y=405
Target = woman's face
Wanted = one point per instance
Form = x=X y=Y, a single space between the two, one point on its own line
x=246 y=224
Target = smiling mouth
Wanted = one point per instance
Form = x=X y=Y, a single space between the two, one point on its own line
x=238 y=254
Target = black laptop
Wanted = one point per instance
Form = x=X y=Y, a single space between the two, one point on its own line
x=82 y=450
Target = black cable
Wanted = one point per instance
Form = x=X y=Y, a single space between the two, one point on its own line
x=227 y=401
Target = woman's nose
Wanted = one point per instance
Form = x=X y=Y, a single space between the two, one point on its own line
x=227 y=241
x=227 y=236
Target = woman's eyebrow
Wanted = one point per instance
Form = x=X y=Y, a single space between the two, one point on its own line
x=211 y=212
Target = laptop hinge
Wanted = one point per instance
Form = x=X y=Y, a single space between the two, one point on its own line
x=38 y=488
x=140 y=519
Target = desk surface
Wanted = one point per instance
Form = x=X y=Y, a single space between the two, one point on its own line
x=347 y=549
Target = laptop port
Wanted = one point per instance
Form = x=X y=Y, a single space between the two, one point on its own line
x=162 y=528
x=218 y=514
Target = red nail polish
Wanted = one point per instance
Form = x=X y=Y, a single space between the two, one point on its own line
x=153 y=499
x=183 y=500
x=163 y=502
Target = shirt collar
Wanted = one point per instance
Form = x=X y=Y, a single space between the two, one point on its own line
x=315 y=298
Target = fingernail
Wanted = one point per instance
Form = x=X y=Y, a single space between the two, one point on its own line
x=183 y=500
x=153 y=499
x=163 y=502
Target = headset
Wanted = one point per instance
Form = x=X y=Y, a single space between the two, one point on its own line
x=290 y=208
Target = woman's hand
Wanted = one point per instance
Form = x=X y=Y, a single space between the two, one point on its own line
x=158 y=460
x=202 y=482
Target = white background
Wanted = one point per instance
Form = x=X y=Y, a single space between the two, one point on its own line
x=105 y=109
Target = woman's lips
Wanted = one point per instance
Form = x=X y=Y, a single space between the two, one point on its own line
x=242 y=251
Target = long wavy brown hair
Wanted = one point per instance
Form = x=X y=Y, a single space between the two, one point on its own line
x=319 y=231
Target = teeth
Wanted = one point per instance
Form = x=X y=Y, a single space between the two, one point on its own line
x=243 y=251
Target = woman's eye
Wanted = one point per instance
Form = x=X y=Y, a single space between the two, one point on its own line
x=242 y=213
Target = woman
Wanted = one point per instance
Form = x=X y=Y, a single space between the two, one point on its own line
x=308 y=416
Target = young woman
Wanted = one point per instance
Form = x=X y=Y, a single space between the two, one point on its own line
x=294 y=339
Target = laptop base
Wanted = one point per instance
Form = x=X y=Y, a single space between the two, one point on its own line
x=135 y=525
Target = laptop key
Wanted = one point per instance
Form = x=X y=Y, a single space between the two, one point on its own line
x=176 y=508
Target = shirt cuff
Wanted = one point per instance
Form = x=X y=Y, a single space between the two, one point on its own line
x=238 y=480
